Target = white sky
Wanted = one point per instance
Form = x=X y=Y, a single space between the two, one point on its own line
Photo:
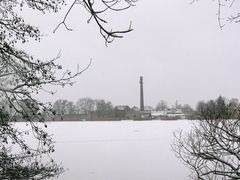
x=178 y=48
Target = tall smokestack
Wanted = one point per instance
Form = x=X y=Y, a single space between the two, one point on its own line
x=141 y=94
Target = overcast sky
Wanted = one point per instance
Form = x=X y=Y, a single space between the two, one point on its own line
x=178 y=48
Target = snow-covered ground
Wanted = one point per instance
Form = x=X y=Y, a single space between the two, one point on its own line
x=125 y=150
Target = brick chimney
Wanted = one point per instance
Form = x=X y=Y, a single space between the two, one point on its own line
x=141 y=94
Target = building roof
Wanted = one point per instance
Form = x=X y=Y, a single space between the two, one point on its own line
x=122 y=107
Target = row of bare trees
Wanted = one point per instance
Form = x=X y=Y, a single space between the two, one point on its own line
x=87 y=105
x=83 y=106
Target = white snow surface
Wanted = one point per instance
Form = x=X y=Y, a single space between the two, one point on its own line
x=123 y=150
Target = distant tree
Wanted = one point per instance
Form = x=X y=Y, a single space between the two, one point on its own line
x=85 y=105
x=234 y=106
x=200 y=107
x=59 y=107
x=211 y=149
x=187 y=109
x=71 y=108
x=161 y=106
x=62 y=107
x=103 y=108
x=234 y=102
x=221 y=108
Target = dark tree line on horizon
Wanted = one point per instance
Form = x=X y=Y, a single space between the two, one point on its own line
x=83 y=106
x=86 y=105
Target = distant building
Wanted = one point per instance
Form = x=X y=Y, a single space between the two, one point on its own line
x=158 y=114
x=169 y=114
x=135 y=108
x=177 y=113
x=122 y=112
x=122 y=108
x=142 y=115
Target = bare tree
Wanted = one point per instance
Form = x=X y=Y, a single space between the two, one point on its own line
x=228 y=12
x=71 y=108
x=161 y=106
x=187 y=109
x=85 y=105
x=211 y=149
x=103 y=108
x=62 y=107
x=21 y=76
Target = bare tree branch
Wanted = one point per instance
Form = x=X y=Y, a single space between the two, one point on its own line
x=112 y=5
x=226 y=12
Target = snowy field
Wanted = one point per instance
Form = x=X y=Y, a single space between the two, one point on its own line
x=125 y=150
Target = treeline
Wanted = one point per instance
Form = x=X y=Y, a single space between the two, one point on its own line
x=221 y=108
x=87 y=105
x=83 y=106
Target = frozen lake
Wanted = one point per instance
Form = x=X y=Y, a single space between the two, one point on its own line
x=125 y=150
